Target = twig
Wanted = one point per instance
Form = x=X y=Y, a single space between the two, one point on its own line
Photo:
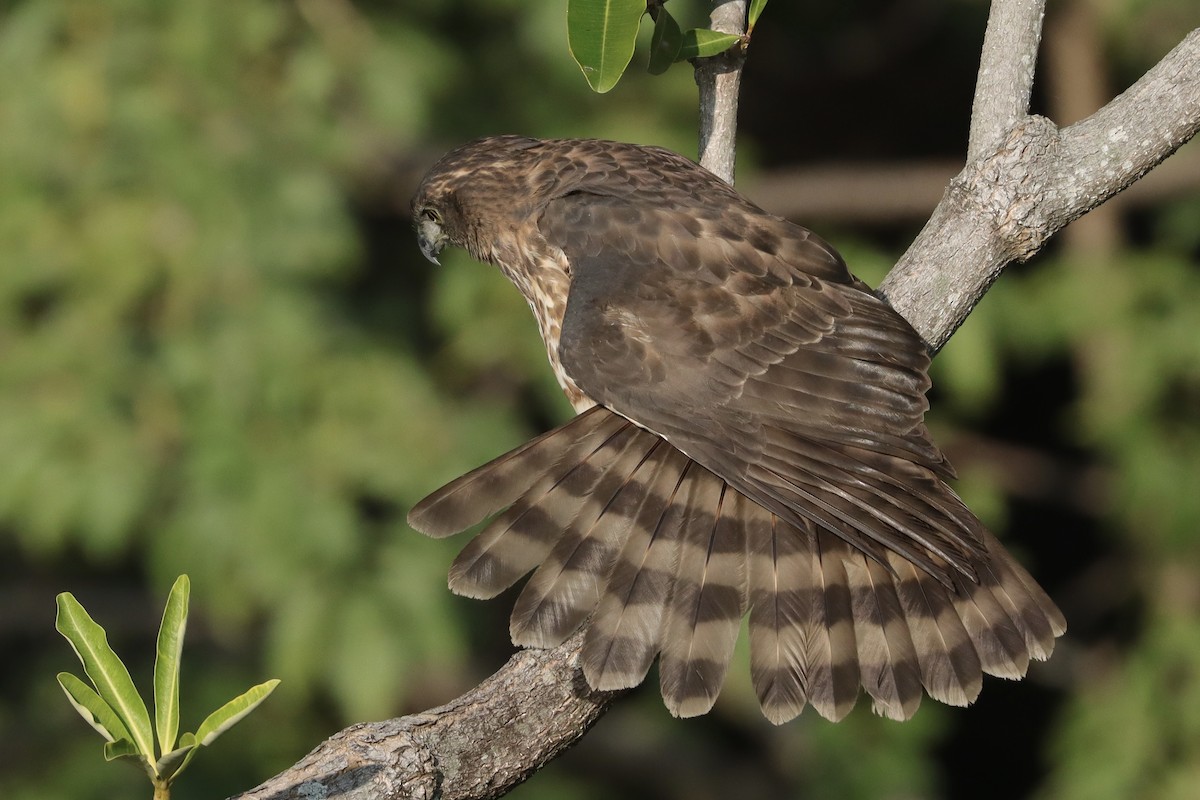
x=720 y=80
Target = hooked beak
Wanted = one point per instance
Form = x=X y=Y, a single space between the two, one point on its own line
x=431 y=239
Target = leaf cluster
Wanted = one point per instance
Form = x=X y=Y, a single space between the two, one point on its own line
x=603 y=34
x=114 y=708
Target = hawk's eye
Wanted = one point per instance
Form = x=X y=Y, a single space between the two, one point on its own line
x=431 y=215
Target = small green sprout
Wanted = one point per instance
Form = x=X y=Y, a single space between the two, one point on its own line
x=114 y=708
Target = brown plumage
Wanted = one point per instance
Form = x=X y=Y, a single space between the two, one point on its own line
x=751 y=441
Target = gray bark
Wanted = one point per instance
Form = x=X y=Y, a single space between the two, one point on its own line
x=1008 y=201
x=720 y=79
x=478 y=745
x=1006 y=68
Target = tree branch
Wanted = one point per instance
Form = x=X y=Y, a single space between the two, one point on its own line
x=479 y=745
x=1006 y=68
x=888 y=192
x=1029 y=181
x=1007 y=203
x=720 y=80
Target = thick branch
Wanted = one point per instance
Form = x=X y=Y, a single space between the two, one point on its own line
x=479 y=745
x=1003 y=206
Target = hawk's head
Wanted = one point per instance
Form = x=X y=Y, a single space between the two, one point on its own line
x=469 y=192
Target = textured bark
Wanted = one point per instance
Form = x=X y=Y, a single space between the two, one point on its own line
x=907 y=191
x=720 y=79
x=1007 y=202
x=479 y=745
x=1024 y=180
x=1006 y=68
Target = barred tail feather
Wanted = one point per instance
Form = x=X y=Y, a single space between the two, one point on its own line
x=708 y=600
x=667 y=558
x=787 y=637
x=520 y=538
x=950 y=668
x=886 y=656
x=1000 y=646
x=1030 y=609
x=833 y=688
x=624 y=635
x=497 y=484
x=568 y=584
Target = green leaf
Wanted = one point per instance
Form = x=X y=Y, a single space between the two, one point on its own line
x=93 y=708
x=127 y=749
x=756 y=9
x=229 y=714
x=171 y=764
x=166 y=664
x=108 y=674
x=186 y=742
x=702 y=43
x=120 y=749
x=665 y=44
x=217 y=723
x=601 y=35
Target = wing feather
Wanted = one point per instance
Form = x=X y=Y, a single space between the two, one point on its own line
x=759 y=447
x=737 y=355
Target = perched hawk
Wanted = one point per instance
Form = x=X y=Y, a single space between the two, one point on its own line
x=750 y=440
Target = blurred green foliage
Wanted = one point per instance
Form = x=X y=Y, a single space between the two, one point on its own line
x=221 y=354
x=1128 y=330
x=174 y=384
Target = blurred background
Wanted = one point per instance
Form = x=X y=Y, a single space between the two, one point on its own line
x=221 y=353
